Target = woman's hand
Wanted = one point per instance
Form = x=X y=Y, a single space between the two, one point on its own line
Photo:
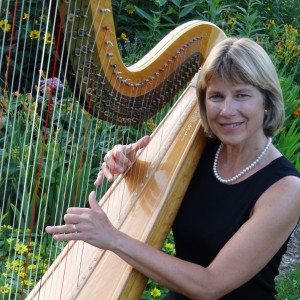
x=90 y=225
x=119 y=159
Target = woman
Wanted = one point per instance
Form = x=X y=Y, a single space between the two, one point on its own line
x=230 y=240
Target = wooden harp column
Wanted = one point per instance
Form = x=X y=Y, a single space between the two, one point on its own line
x=151 y=191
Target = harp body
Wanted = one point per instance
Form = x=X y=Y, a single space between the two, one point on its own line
x=151 y=201
x=143 y=202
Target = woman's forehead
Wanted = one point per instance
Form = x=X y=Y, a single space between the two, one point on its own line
x=219 y=80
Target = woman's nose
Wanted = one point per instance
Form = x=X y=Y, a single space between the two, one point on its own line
x=228 y=107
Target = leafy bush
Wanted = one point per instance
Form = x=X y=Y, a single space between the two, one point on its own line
x=287 y=285
x=24 y=37
x=21 y=263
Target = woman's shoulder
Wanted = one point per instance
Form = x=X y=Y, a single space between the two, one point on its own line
x=283 y=166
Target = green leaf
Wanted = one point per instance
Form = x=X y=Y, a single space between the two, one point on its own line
x=187 y=10
x=143 y=14
x=176 y=2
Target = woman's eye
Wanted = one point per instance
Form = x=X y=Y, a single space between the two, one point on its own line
x=242 y=96
x=216 y=97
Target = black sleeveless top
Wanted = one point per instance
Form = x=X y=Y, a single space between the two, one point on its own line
x=212 y=212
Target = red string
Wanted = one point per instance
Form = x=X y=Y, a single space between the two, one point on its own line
x=8 y=62
x=43 y=147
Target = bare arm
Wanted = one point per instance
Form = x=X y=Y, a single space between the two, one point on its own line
x=245 y=254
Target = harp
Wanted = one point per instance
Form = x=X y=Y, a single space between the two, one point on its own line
x=145 y=200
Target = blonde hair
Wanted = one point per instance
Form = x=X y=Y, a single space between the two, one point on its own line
x=244 y=61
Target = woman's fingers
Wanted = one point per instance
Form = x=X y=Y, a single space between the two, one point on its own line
x=90 y=225
x=141 y=143
x=119 y=159
x=66 y=232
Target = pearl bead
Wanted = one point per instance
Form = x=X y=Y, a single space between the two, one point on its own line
x=234 y=178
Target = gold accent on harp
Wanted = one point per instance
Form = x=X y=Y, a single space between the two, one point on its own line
x=165 y=167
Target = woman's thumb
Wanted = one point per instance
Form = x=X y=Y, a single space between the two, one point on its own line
x=93 y=202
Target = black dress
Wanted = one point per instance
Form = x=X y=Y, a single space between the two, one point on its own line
x=212 y=212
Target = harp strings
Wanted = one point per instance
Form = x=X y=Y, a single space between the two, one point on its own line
x=45 y=159
x=13 y=76
x=48 y=130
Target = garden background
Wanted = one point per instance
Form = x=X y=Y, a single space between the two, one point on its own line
x=139 y=26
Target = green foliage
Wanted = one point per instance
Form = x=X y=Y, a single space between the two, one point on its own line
x=16 y=275
x=24 y=40
x=249 y=21
x=215 y=11
x=153 y=290
x=152 y=20
x=288 y=139
x=282 y=11
x=287 y=285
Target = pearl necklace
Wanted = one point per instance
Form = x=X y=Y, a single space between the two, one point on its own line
x=234 y=178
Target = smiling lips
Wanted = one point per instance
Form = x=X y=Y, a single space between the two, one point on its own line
x=231 y=125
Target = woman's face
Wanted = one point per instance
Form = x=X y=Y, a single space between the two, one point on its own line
x=235 y=112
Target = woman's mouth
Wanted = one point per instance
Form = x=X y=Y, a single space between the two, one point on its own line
x=231 y=125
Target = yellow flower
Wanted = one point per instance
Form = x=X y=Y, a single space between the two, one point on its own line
x=289 y=45
x=6 y=227
x=272 y=22
x=151 y=124
x=5 y=288
x=13 y=264
x=124 y=36
x=231 y=21
x=130 y=10
x=28 y=282
x=155 y=292
x=5 y=26
x=4 y=274
x=278 y=47
x=34 y=34
x=169 y=246
x=31 y=267
x=21 y=248
x=48 y=38
x=293 y=29
x=268 y=26
x=25 y=16
x=21 y=274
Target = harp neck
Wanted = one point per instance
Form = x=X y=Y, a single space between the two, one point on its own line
x=155 y=79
